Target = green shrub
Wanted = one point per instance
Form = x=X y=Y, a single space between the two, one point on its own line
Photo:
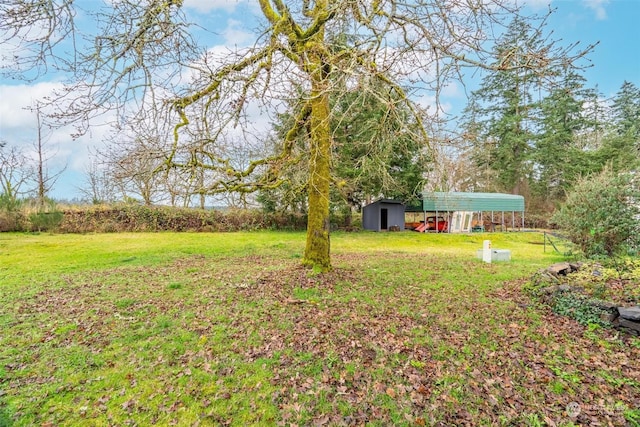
x=601 y=214
x=579 y=308
x=46 y=217
x=45 y=221
x=9 y=204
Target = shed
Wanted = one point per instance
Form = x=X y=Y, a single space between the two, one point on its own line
x=383 y=214
x=495 y=203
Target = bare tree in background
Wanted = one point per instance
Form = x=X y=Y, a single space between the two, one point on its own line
x=16 y=173
x=144 y=53
x=133 y=171
x=98 y=184
x=45 y=180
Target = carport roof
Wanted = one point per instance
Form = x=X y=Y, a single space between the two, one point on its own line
x=473 y=202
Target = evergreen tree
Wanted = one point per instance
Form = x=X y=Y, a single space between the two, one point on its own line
x=559 y=158
x=626 y=111
x=502 y=111
x=621 y=145
x=377 y=151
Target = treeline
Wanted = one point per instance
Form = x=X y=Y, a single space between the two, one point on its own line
x=538 y=131
x=532 y=128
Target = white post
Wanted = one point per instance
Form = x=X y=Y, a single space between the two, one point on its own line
x=486 y=251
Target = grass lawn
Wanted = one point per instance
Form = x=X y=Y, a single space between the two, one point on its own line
x=227 y=329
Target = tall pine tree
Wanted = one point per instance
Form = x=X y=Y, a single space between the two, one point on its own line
x=501 y=112
x=558 y=156
x=621 y=145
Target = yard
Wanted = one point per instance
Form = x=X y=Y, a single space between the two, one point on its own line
x=228 y=329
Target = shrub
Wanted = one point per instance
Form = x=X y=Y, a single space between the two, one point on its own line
x=11 y=215
x=602 y=213
x=9 y=204
x=579 y=308
x=43 y=217
x=45 y=221
x=163 y=218
x=11 y=221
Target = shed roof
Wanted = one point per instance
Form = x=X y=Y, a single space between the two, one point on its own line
x=474 y=202
x=386 y=201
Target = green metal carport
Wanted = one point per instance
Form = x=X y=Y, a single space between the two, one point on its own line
x=474 y=202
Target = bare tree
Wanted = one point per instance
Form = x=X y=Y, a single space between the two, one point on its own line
x=45 y=179
x=143 y=52
x=98 y=185
x=15 y=174
x=133 y=171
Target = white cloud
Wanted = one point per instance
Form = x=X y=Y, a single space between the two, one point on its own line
x=206 y=6
x=19 y=128
x=236 y=35
x=15 y=102
x=452 y=90
x=599 y=7
x=433 y=107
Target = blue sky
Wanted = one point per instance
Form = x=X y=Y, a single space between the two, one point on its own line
x=615 y=24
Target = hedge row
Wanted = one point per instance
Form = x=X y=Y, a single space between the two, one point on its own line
x=145 y=218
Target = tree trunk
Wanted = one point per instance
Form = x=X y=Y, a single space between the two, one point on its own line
x=316 y=253
x=42 y=191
